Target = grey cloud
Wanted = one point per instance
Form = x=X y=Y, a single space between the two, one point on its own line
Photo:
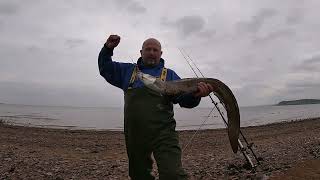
x=190 y=24
x=71 y=43
x=291 y=20
x=254 y=86
x=122 y=2
x=299 y=89
x=286 y=33
x=257 y=21
x=33 y=48
x=137 y=8
x=309 y=65
x=295 y=16
x=303 y=84
x=313 y=60
x=187 y=25
x=8 y=8
x=208 y=34
x=252 y=93
x=131 y=5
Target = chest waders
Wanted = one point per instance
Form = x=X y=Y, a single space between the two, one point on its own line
x=149 y=127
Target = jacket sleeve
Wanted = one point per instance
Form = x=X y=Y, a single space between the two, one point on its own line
x=112 y=71
x=185 y=100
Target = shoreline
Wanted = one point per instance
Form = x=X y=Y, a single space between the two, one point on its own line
x=45 y=153
x=75 y=128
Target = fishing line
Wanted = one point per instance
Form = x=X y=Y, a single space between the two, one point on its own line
x=131 y=59
x=203 y=122
x=192 y=62
x=188 y=62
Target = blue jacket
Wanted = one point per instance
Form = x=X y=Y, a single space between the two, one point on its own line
x=119 y=74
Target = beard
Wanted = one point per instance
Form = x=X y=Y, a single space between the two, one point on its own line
x=150 y=62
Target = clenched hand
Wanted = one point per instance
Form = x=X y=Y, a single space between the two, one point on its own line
x=112 y=41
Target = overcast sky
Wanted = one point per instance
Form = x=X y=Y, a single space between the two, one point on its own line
x=265 y=51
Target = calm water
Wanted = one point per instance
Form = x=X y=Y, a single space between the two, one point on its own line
x=112 y=118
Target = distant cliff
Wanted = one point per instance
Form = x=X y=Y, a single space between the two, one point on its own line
x=300 y=101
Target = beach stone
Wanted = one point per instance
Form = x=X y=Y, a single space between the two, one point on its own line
x=94 y=151
x=7 y=159
x=59 y=178
x=49 y=173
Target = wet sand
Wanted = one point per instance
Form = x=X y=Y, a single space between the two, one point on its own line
x=287 y=151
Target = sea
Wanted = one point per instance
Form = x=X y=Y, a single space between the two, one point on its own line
x=111 y=118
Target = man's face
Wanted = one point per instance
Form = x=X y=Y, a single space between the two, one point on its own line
x=151 y=52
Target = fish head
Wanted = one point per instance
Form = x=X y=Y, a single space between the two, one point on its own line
x=146 y=78
x=152 y=82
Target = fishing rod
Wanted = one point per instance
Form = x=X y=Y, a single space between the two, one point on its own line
x=216 y=106
x=244 y=138
x=242 y=148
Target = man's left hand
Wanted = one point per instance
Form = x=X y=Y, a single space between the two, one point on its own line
x=204 y=89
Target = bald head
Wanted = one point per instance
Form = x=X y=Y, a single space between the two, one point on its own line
x=151 y=41
x=151 y=52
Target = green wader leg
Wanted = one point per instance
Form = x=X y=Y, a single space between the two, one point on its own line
x=150 y=127
x=167 y=153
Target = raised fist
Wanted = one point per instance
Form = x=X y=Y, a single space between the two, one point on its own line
x=112 y=41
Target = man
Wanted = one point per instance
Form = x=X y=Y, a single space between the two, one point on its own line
x=149 y=124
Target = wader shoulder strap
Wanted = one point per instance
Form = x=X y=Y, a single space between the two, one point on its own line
x=133 y=77
x=163 y=76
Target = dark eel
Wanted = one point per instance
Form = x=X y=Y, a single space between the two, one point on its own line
x=190 y=85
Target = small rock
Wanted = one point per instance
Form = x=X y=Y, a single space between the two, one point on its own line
x=12 y=169
x=7 y=159
x=59 y=178
x=264 y=177
x=94 y=151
